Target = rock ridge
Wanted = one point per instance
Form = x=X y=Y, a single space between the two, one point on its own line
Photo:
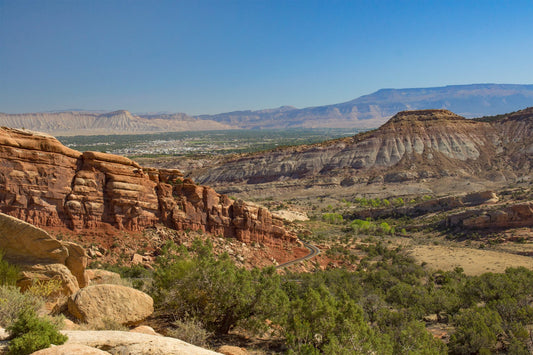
x=425 y=115
x=47 y=184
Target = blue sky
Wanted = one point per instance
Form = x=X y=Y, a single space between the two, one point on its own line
x=217 y=56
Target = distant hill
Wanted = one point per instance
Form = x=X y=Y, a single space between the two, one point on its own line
x=372 y=110
x=69 y=123
x=367 y=111
x=412 y=145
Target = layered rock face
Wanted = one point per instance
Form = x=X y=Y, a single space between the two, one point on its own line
x=514 y=216
x=47 y=184
x=411 y=145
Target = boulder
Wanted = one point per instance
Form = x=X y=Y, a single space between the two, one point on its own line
x=98 y=276
x=232 y=350
x=77 y=262
x=69 y=349
x=47 y=272
x=42 y=257
x=70 y=325
x=137 y=259
x=23 y=243
x=118 y=342
x=4 y=335
x=144 y=329
x=122 y=304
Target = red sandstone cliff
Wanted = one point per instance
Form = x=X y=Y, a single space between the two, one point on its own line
x=48 y=184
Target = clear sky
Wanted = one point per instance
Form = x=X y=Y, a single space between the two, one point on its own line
x=216 y=56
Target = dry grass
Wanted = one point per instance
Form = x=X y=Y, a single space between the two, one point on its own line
x=473 y=261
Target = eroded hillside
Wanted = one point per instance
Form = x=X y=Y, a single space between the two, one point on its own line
x=411 y=146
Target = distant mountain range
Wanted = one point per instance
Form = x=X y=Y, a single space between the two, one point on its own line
x=372 y=110
x=367 y=111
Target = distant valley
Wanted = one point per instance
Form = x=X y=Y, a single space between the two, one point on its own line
x=369 y=111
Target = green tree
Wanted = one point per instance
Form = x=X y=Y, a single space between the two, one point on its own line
x=216 y=292
x=476 y=330
x=319 y=322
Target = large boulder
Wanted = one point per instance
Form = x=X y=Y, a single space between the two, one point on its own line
x=118 y=342
x=47 y=272
x=42 y=257
x=122 y=304
x=23 y=243
x=77 y=262
x=69 y=349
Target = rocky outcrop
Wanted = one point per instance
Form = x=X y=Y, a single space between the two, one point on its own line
x=433 y=205
x=411 y=145
x=47 y=184
x=452 y=202
x=122 y=304
x=514 y=216
x=117 y=342
x=40 y=256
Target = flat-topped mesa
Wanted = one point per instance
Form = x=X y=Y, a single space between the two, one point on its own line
x=425 y=115
x=47 y=184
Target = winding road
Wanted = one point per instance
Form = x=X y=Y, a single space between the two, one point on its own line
x=313 y=251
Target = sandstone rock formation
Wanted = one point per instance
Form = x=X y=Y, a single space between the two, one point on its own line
x=69 y=349
x=232 y=350
x=514 y=216
x=411 y=145
x=144 y=329
x=40 y=256
x=47 y=184
x=117 y=342
x=122 y=304
x=433 y=205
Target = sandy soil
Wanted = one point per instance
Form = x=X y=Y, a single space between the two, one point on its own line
x=473 y=261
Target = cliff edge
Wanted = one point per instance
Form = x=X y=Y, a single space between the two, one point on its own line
x=48 y=184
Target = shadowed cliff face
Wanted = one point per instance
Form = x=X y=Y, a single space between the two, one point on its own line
x=411 y=145
x=48 y=184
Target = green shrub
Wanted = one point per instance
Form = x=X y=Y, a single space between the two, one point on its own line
x=31 y=333
x=215 y=291
x=332 y=218
x=477 y=330
x=190 y=331
x=13 y=303
x=8 y=273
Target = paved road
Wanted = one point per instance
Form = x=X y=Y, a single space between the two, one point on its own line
x=313 y=251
